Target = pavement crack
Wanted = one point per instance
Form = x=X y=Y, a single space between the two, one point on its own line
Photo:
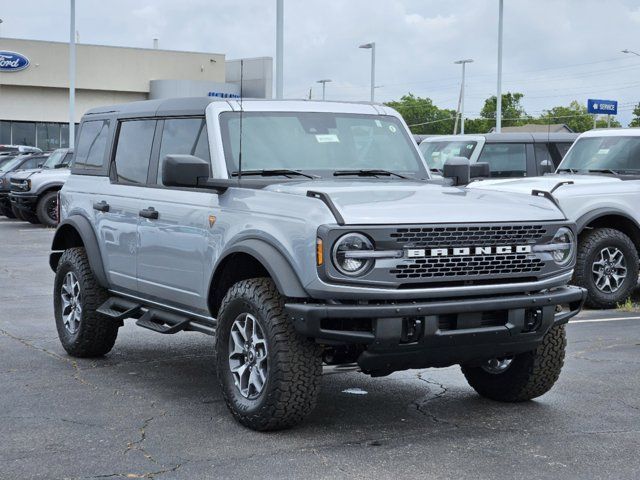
x=420 y=403
x=141 y=475
x=138 y=445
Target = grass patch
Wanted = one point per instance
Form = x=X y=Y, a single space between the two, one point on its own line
x=628 y=306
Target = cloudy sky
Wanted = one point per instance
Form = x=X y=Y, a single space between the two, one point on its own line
x=554 y=50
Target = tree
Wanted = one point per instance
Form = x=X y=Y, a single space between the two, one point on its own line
x=425 y=117
x=513 y=112
x=636 y=117
x=575 y=116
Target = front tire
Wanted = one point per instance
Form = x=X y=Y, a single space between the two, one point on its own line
x=270 y=376
x=46 y=209
x=607 y=266
x=524 y=376
x=82 y=331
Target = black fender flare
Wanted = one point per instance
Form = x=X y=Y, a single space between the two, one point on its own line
x=63 y=240
x=588 y=217
x=279 y=268
x=48 y=187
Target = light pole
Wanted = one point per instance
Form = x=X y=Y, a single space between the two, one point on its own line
x=372 y=46
x=499 y=92
x=324 y=84
x=72 y=74
x=461 y=104
x=626 y=50
x=279 y=48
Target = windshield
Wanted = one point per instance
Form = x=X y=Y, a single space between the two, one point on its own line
x=604 y=153
x=56 y=158
x=319 y=143
x=4 y=160
x=436 y=153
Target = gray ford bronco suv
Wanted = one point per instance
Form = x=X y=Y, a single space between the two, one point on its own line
x=298 y=234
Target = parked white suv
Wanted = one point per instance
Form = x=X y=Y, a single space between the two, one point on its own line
x=597 y=185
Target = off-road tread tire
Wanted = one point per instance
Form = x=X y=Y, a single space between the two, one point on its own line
x=530 y=374
x=41 y=211
x=295 y=364
x=97 y=333
x=590 y=243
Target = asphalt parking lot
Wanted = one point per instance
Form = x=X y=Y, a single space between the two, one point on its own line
x=153 y=409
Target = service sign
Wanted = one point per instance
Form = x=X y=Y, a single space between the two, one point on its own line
x=12 y=61
x=602 y=107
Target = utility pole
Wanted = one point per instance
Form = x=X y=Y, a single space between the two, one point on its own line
x=372 y=46
x=72 y=74
x=461 y=100
x=279 y=48
x=324 y=84
x=499 y=92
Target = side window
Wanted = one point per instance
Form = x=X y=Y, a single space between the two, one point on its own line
x=505 y=159
x=133 y=151
x=563 y=148
x=31 y=163
x=185 y=136
x=543 y=152
x=91 y=145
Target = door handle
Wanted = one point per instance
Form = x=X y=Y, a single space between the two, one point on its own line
x=101 y=206
x=150 y=213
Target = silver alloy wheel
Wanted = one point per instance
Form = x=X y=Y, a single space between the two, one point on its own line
x=609 y=270
x=248 y=356
x=496 y=366
x=71 y=303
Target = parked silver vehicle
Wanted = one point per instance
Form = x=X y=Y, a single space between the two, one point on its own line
x=597 y=185
x=301 y=233
x=34 y=193
x=10 y=165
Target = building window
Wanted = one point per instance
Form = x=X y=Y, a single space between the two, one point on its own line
x=23 y=133
x=5 y=132
x=48 y=136
x=64 y=134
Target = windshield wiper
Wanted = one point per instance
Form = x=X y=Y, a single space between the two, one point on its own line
x=368 y=173
x=274 y=173
x=612 y=171
x=570 y=170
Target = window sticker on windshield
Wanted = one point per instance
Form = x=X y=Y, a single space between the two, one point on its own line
x=327 y=138
x=378 y=123
x=393 y=129
x=603 y=151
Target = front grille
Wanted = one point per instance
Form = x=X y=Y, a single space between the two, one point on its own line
x=468 y=266
x=465 y=236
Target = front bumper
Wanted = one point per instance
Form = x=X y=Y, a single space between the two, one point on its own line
x=23 y=201
x=443 y=332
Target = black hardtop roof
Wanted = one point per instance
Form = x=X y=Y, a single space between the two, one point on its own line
x=160 y=107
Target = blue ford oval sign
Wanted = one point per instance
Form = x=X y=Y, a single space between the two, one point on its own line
x=12 y=61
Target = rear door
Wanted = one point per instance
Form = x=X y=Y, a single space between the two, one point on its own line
x=506 y=160
x=118 y=208
x=173 y=249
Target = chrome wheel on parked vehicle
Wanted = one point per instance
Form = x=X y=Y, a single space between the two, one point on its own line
x=497 y=366
x=609 y=270
x=71 y=303
x=248 y=355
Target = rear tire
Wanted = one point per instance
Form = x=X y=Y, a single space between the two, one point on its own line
x=595 y=247
x=46 y=209
x=527 y=376
x=82 y=331
x=287 y=367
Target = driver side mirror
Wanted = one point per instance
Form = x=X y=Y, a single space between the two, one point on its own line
x=458 y=169
x=184 y=170
x=547 y=166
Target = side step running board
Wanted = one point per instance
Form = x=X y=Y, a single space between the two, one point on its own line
x=152 y=318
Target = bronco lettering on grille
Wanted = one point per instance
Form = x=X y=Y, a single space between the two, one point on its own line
x=467 y=251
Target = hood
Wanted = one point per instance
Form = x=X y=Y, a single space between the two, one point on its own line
x=24 y=174
x=581 y=184
x=383 y=202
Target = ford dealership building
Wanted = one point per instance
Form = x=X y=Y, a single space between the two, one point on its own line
x=34 y=82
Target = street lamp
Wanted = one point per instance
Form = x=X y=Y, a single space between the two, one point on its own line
x=372 y=46
x=279 y=49
x=461 y=101
x=324 y=84
x=499 y=92
x=72 y=74
x=626 y=50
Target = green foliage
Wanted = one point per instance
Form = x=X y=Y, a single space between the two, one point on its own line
x=513 y=112
x=575 y=116
x=416 y=111
x=635 y=122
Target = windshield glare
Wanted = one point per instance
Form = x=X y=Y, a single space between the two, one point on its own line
x=4 y=160
x=437 y=153
x=55 y=158
x=603 y=153
x=319 y=143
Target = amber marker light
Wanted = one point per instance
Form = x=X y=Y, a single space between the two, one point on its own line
x=319 y=252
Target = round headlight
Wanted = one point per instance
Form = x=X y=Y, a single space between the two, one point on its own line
x=345 y=254
x=565 y=244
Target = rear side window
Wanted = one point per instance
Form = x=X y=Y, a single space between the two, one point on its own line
x=505 y=159
x=563 y=148
x=184 y=136
x=92 y=143
x=32 y=163
x=133 y=151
